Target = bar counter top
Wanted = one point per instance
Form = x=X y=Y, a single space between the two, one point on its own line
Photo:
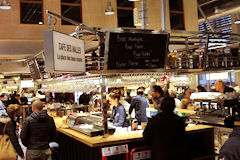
x=116 y=138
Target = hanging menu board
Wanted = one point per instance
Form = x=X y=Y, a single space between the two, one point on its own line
x=136 y=50
x=34 y=70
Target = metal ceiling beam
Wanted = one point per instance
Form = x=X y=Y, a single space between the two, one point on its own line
x=208 y=2
x=205 y=17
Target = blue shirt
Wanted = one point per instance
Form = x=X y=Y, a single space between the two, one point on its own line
x=119 y=116
x=140 y=104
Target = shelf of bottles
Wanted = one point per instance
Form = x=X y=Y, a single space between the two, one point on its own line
x=195 y=60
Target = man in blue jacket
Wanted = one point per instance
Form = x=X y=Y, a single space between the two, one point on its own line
x=139 y=103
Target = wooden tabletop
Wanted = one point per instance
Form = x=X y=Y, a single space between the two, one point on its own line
x=115 y=139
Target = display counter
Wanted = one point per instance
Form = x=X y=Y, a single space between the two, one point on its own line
x=75 y=145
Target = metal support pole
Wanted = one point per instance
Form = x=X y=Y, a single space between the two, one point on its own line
x=164 y=15
x=205 y=58
x=104 y=106
x=144 y=14
x=205 y=17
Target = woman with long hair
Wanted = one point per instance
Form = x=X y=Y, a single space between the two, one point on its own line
x=13 y=111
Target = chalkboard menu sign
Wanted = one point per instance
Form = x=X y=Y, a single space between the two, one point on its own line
x=32 y=64
x=136 y=50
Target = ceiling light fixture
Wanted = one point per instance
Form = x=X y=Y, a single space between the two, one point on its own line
x=5 y=5
x=109 y=10
x=237 y=19
x=237 y=22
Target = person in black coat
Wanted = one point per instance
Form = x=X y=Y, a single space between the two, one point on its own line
x=231 y=148
x=84 y=99
x=10 y=120
x=166 y=133
x=38 y=131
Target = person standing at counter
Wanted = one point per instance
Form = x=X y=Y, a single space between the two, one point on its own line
x=139 y=103
x=23 y=98
x=166 y=133
x=157 y=96
x=38 y=131
x=201 y=89
x=129 y=97
x=118 y=113
x=84 y=99
x=221 y=87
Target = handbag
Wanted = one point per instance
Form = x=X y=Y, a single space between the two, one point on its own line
x=7 y=151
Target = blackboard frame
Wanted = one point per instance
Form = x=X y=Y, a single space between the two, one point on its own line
x=37 y=68
x=107 y=41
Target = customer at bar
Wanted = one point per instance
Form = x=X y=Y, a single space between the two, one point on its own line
x=129 y=97
x=9 y=120
x=38 y=131
x=139 y=104
x=231 y=148
x=23 y=98
x=166 y=133
x=221 y=87
x=201 y=89
x=118 y=113
x=84 y=99
x=157 y=96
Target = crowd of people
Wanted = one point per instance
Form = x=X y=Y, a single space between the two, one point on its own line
x=165 y=132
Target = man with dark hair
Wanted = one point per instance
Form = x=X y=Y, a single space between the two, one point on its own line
x=139 y=103
x=38 y=131
x=166 y=133
x=157 y=96
x=128 y=98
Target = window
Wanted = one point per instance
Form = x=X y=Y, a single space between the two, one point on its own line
x=72 y=10
x=125 y=13
x=176 y=14
x=31 y=11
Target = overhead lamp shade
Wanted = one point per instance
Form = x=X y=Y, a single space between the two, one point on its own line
x=5 y=5
x=109 y=10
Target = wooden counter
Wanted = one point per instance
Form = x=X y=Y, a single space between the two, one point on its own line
x=117 y=138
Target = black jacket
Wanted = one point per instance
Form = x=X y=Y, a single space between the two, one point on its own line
x=166 y=134
x=84 y=99
x=228 y=89
x=231 y=148
x=11 y=132
x=38 y=131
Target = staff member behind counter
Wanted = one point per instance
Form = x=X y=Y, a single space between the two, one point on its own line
x=139 y=103
x=221 y=87
x=118 y=113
